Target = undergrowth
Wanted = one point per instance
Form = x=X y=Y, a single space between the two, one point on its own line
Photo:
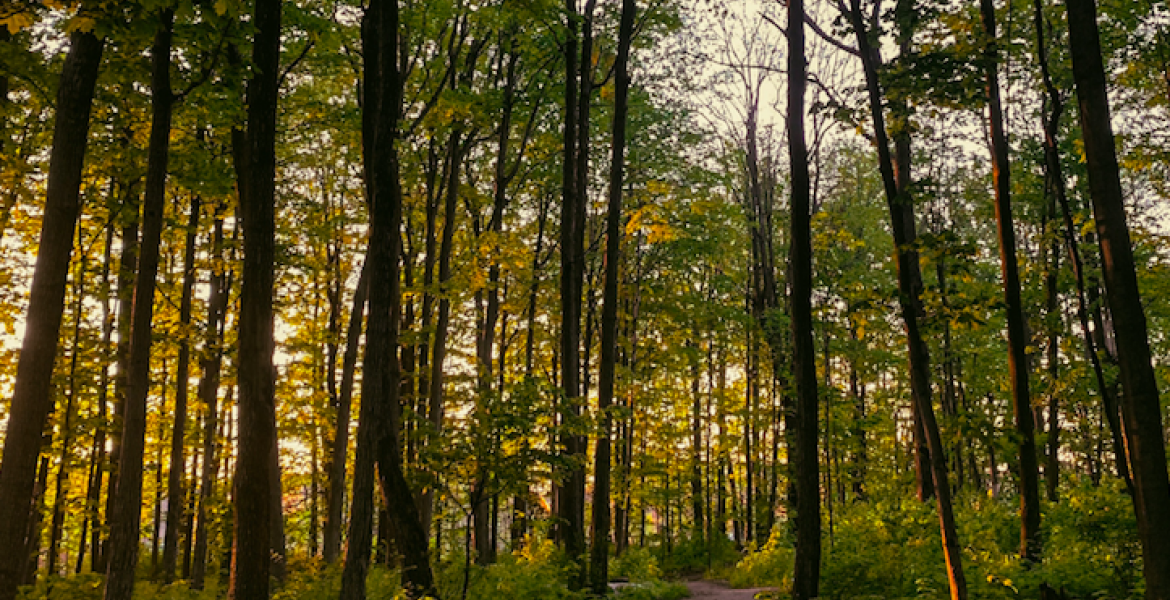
x=893 y=551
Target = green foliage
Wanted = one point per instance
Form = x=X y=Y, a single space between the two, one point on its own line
x=537 y=572
x=652 y=590
x=769 y=566
x=636 y=564
x=893 y=550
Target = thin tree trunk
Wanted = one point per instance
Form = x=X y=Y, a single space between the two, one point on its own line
x=909 y=284
x=31 y=397
x=125 y=518
x=175 y=478
x=1031 y=544
x=217 y=303
x=60 y=494
x=599 y=556
x=1141 y=407
x=336 y=502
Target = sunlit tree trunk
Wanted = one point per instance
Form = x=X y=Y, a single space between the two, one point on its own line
x=1030 y=541
x=909 y=285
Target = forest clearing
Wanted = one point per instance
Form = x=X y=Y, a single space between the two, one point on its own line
x=526 y=300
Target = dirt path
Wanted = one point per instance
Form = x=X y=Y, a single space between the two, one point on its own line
x=711 y=590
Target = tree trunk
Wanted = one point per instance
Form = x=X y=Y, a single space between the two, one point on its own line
x=125 y=518
x=217 y=304
x=570 y=499
x=1031 y=544
x=909 y=285
x=377 y=425
x=60 y=494
x=31 y=398
x=175 y=478
x=806 y=486
x=335 y=507
x=256 y=435
x=1141 y=406
x=599 y=555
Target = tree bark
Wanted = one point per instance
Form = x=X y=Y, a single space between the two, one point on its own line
x=251 y=551
x=909 y=285
x=1141 y=406
x=1031 y=544
x=599 y=554
x=31 y=398
x=125 y=518
x=176 y=473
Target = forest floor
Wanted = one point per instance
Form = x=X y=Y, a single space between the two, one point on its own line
x=715 y=590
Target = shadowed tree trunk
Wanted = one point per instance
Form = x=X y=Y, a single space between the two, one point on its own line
x=217 y=303
x=901 y=209
x=571 y=497
x=803 y=452
x=125 y=517
x=599 y=556
x=335 y=506
x=175 y=477
x=252 y=496
x=1141 y=406
x=31 y=397
x=378 y=422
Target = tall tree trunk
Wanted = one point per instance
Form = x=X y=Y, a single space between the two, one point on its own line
x=127 y=269
x=98 y=451
x=32 y=398
x=60 y=498
x=377 y=425
x=1031 y=544
x=1141 y=406
x=807 y=504
x=125 y=518
x=217 y=304
x=599 y=555
x=1051 y=123
x=570 y=499
x=909 y=285
x=175 y=493
x=256 y=436
x=335 y=506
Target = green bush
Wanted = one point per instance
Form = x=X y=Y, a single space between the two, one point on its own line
x=652 y=590
x=636 y=564
x=536 y=572
x=770 y=566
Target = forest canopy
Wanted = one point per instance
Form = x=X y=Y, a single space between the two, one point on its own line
x=485 y=299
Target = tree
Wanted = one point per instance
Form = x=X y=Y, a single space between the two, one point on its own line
x=1141 y=407
x=1030 y=543
x=599 y=555
x=256 y=176
x=803 y=450
x=31 y=397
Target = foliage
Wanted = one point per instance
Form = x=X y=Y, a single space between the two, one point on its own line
x=889 y=550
